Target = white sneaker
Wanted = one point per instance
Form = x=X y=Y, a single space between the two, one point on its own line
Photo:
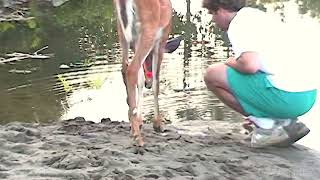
x=267 y=137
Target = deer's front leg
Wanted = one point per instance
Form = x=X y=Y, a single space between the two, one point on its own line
x=144 y=45
x=134 y=80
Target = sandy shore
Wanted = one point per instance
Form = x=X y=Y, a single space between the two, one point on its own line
x=78 y=149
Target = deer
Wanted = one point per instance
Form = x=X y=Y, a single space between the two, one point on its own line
x=143 y=26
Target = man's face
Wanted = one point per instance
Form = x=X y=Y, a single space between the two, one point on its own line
x=219 y=18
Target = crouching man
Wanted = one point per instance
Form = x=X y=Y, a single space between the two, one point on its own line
x=267 y=80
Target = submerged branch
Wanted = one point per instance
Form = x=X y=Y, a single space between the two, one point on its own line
x=20 y=56
x=46 y=47
x=15 y=18
x=18 y=15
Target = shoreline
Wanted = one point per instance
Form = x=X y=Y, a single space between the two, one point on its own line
x=79 y=149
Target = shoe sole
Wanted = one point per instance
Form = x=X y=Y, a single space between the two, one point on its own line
x=293 y=138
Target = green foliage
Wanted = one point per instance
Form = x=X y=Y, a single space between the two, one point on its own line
x=312 y=6
x=88 y=62
x=66 y=85
x=32 y=24
x=305 y=6
x=72 y=21
x=6 y=26
x=84 y=13
x=96 y=82
x=36 y=41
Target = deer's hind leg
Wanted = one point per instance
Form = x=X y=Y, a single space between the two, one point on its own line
x=124 y=44
x=157 y=60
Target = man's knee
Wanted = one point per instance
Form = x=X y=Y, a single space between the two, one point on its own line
x=216 y=75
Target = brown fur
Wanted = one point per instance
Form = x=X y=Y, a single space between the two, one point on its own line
x=153 y=15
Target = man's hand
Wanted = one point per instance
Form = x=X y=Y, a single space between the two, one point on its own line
x=231 y=61
x=247 y=62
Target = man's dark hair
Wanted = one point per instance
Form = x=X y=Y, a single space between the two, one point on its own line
x=231 y=5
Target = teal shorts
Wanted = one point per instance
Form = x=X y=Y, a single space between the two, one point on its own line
x=259 y=98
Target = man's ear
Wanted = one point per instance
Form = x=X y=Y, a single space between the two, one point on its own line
x=222 y=11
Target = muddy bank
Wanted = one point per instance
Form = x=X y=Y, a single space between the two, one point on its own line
x=78 y=149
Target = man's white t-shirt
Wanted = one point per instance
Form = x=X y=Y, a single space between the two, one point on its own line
x=283 y=54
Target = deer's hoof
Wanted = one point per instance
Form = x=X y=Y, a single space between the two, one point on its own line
x=138 y=140
x=148 y=83
x=139 y=150
x=158 y=128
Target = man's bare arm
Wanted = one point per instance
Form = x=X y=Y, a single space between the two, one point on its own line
x=247 y=62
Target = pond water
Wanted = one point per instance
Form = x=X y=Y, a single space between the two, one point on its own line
x=83 y=77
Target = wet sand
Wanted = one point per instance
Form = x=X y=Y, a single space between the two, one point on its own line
x=79 y=149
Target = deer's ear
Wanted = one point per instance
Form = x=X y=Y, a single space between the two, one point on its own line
x=173 y=44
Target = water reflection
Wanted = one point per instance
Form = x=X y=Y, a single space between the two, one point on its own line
x=82 y=36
